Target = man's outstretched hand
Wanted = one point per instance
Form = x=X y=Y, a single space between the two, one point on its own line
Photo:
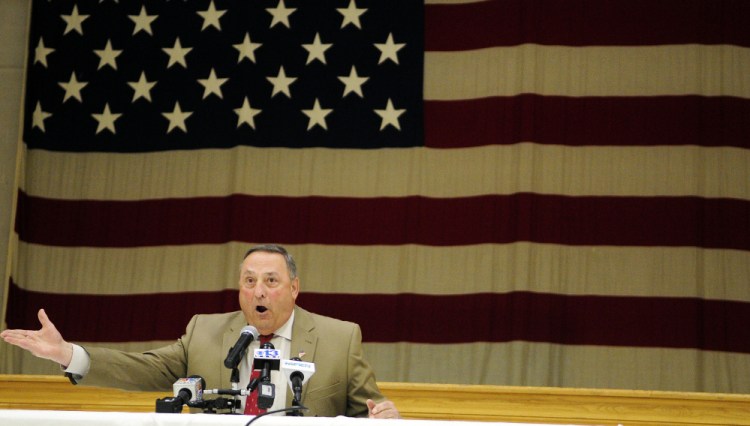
x=45 y=343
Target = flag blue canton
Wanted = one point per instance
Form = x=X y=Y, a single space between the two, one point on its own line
x=141 y=76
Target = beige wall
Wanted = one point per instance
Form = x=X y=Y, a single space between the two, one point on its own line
x=13 y=33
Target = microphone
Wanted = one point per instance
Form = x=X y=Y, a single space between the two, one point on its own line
x=297 y=373
x=189 y=389
x=247 y=335
x=266 y=359
x=186 y=391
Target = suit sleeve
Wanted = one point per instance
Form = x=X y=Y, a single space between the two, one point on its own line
x=362 y=385
x=154 y=370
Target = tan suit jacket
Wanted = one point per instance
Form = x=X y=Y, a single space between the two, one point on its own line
x=342 y=382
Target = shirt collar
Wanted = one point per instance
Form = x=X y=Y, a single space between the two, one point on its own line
x=285 y=330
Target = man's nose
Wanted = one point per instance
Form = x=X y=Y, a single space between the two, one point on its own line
x=259 y=291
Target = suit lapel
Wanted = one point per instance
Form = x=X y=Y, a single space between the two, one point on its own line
x=304 y=340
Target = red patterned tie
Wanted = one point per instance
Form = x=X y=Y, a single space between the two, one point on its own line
x=251 y=403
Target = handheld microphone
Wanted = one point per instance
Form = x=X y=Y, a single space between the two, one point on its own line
x=247 y=335
x=297 y=373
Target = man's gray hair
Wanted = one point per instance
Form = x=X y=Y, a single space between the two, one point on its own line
x=291 y=266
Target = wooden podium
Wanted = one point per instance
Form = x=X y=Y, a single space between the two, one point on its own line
x=437 y=402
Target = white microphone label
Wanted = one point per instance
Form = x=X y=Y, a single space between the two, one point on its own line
x=267 y=354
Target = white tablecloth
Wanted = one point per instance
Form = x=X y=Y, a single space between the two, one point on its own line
x=85 y=418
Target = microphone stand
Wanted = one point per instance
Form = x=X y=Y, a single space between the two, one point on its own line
x=295 y=409
x=235 y=379
x=252 y=385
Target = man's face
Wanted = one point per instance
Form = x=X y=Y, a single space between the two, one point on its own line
x=267 y=293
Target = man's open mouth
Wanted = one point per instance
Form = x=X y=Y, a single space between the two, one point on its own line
x=261 y=309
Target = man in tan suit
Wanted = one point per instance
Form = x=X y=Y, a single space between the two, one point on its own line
x=343 y=383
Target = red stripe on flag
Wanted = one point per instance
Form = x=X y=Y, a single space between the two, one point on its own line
x=520 y=316
x=450 y=27
x=593 y=121
x=624 y=221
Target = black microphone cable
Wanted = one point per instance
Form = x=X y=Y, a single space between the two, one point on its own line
x=281 y=410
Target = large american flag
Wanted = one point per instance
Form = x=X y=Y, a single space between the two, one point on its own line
x=504 y=192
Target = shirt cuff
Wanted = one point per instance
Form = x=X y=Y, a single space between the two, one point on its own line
x=79 y=363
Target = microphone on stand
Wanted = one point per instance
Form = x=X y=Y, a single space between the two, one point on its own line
x=236 y=352
x=189 y=389
x=186 y=391
x=297 y=373
x=266 y=359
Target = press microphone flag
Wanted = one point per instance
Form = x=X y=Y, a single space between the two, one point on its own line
x=266 y=355
x=189 y=389
x=297 y=373
x=186 y=391
x=247 y=335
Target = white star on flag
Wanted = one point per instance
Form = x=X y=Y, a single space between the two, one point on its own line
x=316 y=50
x=41 y=52
x=246 y=114
x=74 y=21
x=389 y=115
x=142 y=88
x=247 y=49
x=280 y=14
x=212 y=85
x=39 y=116
x=177 y=118
x=317 y=115
x=73 y=88
x=107 y=56
x=389 y=49
x=106 y=120
x=353 y=83
x=177 y=54
x=143 y=21
x=281 y=83
x=351 y=15
x=211 y=17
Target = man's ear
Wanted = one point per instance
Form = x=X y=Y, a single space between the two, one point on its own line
x=295 y=288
